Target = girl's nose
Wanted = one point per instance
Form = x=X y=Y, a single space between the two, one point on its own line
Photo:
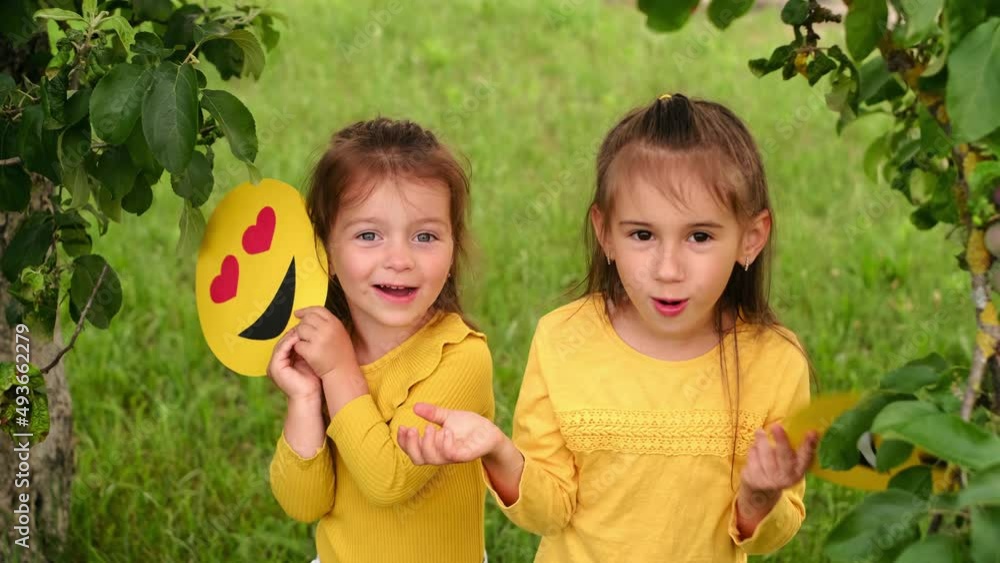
x=399 y=257
x=668 y=266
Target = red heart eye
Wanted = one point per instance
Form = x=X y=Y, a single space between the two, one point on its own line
x=257 y=238
x=223 y=286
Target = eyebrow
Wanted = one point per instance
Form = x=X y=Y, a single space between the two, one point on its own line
x=422 y=221
x=701 y=224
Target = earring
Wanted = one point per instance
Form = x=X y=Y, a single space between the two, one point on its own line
x=608 y=258
x=746 y=264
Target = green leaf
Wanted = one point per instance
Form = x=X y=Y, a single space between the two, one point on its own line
x=891 y=453
x=73 y=235
x=878 y=529
x=116 y=171
x=984 y=541
x=917 y=479
x=53 y=93
x=37 y=146
x=8 y=376
x=110 y=205
x=909 y=378
x=984 y=177
x=7 y=86
x=975 y=65
x=933 y=139
x=961 y=17
x=149 y=45
x=937 y=549
x=667 y=15
x=864 y=25
x=78 y=106
x=192 y=226
x=59 y=15
x=89 y=8
x=108 y=297
x=255 y=176
x=983 y=488
x=15 y=189
x=195 y=183
x=874 y=75
x=874 y=155
x=116 y=103
x=253 y=53
x=943 y=435
x=724 y=12
x=901 y=413
x=795 y=12
x=235 y=120
x=838 y=448
x=140 y=153
x=140 y=198
x=39 y=424
x=157 y=10
x=778 y=58
x=29 y=246
x=921 y=19
x=170 y=115
x=820 y=66
x=120 y=26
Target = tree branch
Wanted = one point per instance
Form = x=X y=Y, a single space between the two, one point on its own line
x=79 y=323
x=10 y=161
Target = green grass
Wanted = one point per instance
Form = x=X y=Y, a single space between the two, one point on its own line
x=173 y=450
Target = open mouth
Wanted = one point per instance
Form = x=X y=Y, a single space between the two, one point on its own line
x=396 y=292
x=275 y=317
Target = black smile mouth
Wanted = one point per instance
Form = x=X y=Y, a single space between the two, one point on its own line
x=275 y=317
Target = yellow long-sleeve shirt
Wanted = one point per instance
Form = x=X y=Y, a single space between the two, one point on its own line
x=374 y=505
x=628 y=458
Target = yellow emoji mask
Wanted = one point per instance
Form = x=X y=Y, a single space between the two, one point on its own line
x=819 y=415
x=259 y=260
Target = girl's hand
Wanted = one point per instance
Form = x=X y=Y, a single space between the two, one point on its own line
x=771 y=469
x=322 y=340
x=463 y=436
x=290 y=372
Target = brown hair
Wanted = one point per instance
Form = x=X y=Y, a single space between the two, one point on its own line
x=366 y=152
x=675 y=132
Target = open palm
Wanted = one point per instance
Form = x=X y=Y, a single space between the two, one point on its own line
x=463 y=436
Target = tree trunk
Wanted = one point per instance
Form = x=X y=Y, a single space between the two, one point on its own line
x=51 y=463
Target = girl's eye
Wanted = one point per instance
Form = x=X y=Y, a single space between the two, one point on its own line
x=701 y=237
x=426 y=237
x=367 y=236
x=641 y=235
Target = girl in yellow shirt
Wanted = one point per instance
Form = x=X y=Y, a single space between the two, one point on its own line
x=641 y=432
x=389 y=203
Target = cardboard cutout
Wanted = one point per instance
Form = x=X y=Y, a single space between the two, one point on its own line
x=259 y=261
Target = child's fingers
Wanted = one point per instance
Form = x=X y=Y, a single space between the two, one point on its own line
x=784 y=454
x=804 y=456
x=427 y=446
x=448 y=443
x=413 y=446
x=765 y=454
x=306 y=331
x=432 y=413
x=439 y=451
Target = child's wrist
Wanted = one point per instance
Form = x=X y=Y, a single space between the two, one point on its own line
x=503 y=451
x=308 y=401
x=755 y=502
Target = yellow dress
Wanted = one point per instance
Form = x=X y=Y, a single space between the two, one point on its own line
x=628 y=458
x=372 y=503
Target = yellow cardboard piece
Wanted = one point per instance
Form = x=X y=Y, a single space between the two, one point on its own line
x=259 y=261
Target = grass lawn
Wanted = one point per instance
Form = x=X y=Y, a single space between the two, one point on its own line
x=173 y=450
